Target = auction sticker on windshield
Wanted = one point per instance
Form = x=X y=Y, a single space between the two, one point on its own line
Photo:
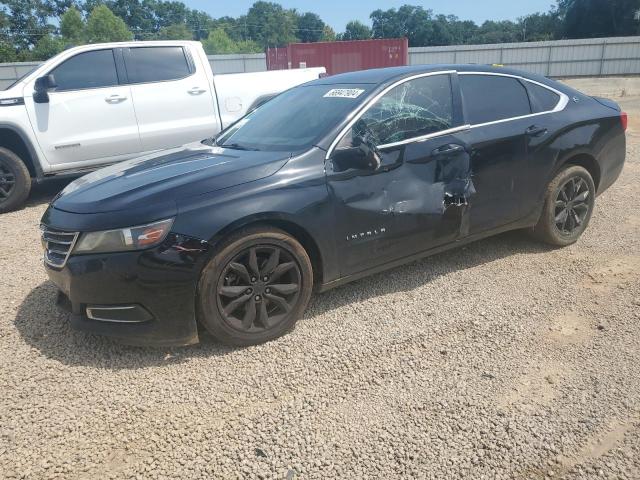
x=344 y=93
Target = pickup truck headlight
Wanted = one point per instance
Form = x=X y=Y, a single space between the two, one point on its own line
x=124 y=239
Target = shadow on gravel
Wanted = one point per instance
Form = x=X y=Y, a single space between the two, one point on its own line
x=45 y=327
x=45 y=191
x=420 y=272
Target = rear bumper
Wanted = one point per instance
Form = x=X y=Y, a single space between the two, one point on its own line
x=140 y=298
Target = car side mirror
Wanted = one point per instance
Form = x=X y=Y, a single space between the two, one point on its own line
x=363 y=156
x=42 y=87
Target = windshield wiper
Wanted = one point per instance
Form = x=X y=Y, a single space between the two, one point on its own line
x=237 y=146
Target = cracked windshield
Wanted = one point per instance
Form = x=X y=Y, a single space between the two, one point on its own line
x=415 y=108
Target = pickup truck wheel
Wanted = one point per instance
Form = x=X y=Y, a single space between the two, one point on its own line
x=568 y=206
x=255 y=288
x=15 y=181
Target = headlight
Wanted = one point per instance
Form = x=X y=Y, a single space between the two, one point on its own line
x=124 y=239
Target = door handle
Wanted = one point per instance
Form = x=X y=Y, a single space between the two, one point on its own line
x=196 y=91
x=535 y=131
x=115 y=99
x=447 y=149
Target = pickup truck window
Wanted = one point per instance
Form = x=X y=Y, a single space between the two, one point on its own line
x=295 y=119
x=94 y=69
x=156 y=64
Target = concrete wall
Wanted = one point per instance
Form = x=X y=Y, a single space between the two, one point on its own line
x=246 y=62
x=10 y=72
x=560 y=58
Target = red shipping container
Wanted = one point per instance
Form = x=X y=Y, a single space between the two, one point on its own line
x=339 y=57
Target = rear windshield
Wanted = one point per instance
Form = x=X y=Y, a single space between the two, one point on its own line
x=296 y=119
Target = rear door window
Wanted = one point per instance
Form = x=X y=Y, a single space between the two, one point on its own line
x=542 y=99
x=488 y=98
x=156 y=64
x=94 y=69
x=413 y=109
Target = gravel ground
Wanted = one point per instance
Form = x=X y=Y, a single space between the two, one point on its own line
x=504 y=359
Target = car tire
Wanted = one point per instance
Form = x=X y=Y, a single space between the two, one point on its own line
x=568 y=205
x=15 y=181
x=255 y=287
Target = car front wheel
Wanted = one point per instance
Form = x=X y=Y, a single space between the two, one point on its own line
x=568 y=206
x=255 y=288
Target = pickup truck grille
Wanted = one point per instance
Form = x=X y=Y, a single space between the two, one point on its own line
x=57 y=245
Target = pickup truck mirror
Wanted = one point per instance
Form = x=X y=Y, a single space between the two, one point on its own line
x=42 y=87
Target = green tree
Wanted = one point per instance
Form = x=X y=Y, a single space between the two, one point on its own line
x=7 y=52
x=104 y=26
x=177 y=31
x=504 y=31
x=72 y=26
x=28 y=21
x=218 y=43
x=409 y=21
x=356 y=30
x=328 y=34
x=47 y=47
x=599 y=18
x=310 y=27
x=271 y=25
x=248 y=46
x=540 y=26
x=138 y=15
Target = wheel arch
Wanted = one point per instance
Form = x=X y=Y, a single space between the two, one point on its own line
x=14 y=139
x=585 y=160
x=287 y=225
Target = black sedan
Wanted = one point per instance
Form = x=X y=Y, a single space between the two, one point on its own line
x=326 y=183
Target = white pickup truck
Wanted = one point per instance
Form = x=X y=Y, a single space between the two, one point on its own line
x=99 y=104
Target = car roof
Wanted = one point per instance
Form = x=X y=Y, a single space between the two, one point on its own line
x=378 y=76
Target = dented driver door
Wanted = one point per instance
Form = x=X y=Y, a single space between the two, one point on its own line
x=415 y=195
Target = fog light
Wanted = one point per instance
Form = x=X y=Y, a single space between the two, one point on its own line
x=118 y=313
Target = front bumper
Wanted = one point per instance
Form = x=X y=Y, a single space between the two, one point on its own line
x=141 y=298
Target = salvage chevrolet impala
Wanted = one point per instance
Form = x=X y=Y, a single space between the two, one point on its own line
x=330 y=181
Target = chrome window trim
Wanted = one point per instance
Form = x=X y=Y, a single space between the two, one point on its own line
x=356 y=114
x=561 y=105
x=426 y=137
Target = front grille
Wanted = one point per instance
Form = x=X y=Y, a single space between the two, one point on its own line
x=57 y=245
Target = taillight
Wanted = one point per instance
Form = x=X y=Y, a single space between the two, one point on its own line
x=624 y=120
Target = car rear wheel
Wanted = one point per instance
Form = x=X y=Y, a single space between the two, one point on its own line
x=568 y=206
x=255 y=288
x=15 y=181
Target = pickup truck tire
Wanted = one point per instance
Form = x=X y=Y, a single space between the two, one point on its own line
x=255 y=287
x=568 y=205
x=15 y=181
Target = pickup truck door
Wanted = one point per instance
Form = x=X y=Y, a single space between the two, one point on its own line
x=89 y=118
x=173 y=98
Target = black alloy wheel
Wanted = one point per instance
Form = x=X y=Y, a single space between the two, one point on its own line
x=7 y=181
x=255 y=287
x=15 y=181
x=568 y=205
x=572 y=206
x=258 y=288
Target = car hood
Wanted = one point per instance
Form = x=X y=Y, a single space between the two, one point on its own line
x=166 y=176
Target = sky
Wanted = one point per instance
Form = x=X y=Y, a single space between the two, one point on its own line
x=338 y=12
